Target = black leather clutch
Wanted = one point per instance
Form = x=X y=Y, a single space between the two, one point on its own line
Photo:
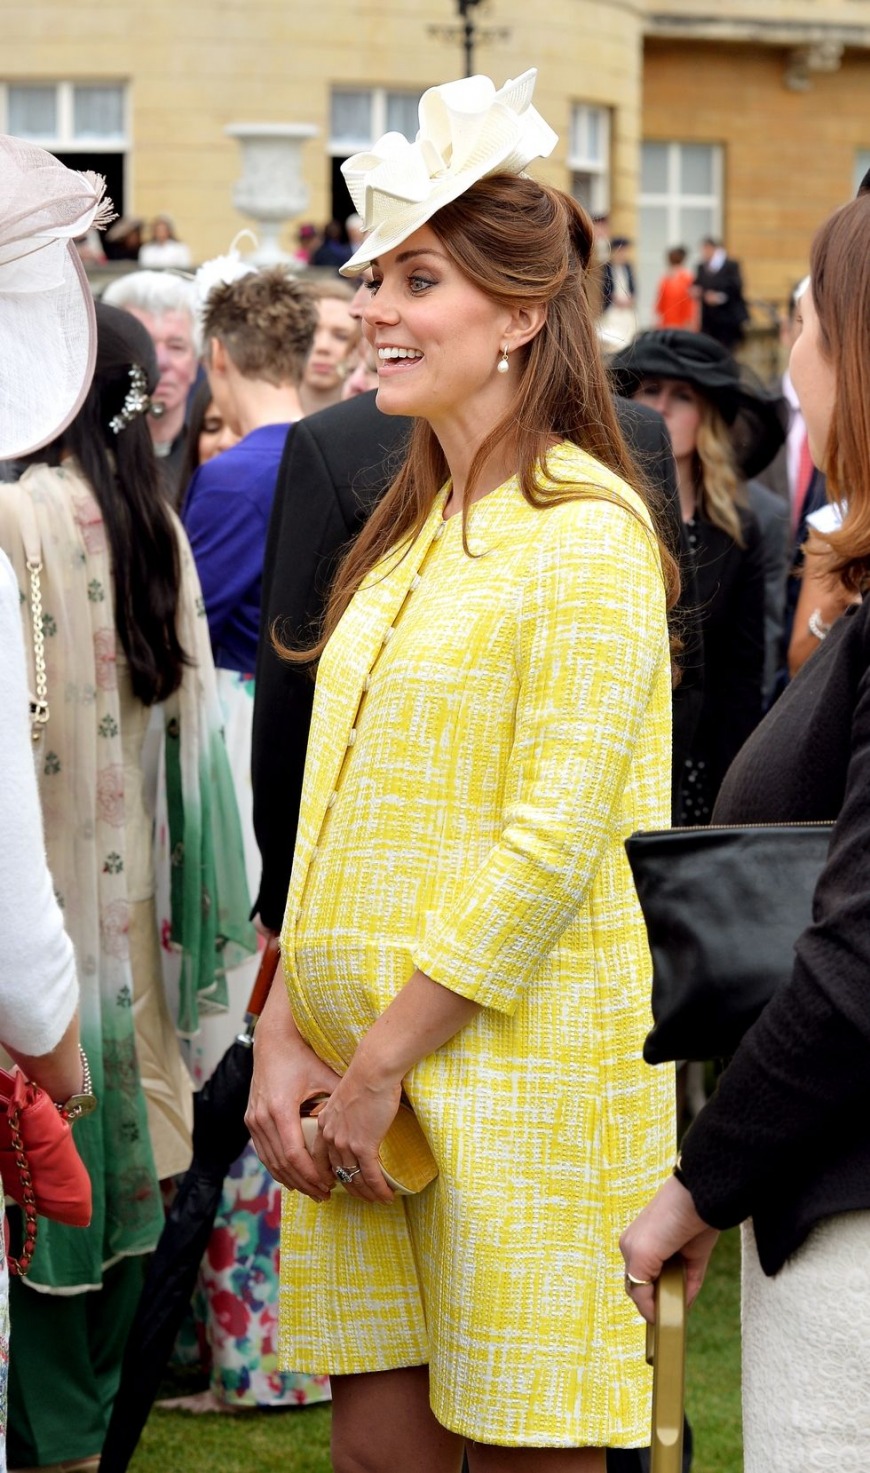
x=723 y=910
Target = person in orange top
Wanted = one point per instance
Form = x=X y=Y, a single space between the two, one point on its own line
x=675 y=305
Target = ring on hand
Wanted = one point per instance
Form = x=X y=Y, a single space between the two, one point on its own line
x=634 y=1283
x=344 y=1176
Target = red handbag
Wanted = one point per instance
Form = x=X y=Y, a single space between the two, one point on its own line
x=39 y=1164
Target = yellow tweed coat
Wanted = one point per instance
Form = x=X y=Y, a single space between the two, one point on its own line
x=487 y=730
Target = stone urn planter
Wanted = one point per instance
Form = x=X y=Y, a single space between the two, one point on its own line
x=271 y=189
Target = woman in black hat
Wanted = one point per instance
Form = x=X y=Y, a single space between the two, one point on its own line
x=723 y=429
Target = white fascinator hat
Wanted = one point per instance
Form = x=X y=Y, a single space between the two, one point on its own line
x=47 y=324
x=468 y=130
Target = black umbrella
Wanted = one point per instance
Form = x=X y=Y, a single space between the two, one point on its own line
x=219 y=1137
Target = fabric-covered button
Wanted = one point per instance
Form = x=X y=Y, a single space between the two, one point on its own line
x=332 y=798
x=389 y=634
x=367 y=683
x=351 y=736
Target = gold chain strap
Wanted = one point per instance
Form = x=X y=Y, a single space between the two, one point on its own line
x=39 y=702
x=20 y=1266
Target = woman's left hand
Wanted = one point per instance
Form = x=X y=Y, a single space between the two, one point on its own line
x=668 y=1224
x=351 y=1126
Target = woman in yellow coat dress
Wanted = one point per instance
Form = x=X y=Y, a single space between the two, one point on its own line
x=492 y=719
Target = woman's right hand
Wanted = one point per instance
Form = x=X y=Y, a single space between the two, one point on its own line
x=668 y=1224
x=286 y=1072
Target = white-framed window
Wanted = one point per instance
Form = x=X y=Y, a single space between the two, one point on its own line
x=680 y=203
x=862 y=164
x=85 y=123
x=589 y=157
x=360 y=115
x=67 y=116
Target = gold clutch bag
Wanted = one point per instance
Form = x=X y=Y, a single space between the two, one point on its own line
x=405 y=1155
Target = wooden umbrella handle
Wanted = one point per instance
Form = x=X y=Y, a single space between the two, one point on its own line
x=666 y=1353
x=263 y=982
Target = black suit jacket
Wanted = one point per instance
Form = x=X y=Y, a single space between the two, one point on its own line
x=723 y=321
x=336 y=464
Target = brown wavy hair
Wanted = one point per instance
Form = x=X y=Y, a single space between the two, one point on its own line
x=524 y=244
x=840 y=283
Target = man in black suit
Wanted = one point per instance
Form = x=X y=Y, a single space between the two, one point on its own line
x=336 y=465
x=719 y=287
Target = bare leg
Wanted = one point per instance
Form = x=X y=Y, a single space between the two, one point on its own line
x=382 y=1423
x=483 y=1459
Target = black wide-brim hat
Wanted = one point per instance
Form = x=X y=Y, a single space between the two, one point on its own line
x=758 y=419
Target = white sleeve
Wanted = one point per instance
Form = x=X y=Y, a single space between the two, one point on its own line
x=38 y=985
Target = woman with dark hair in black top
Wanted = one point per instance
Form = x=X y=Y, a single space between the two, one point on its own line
x=785 y=1139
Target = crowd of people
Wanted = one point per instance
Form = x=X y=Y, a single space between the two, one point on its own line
x=367 y=620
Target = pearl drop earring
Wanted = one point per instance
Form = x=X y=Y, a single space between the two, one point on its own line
x=502 y=366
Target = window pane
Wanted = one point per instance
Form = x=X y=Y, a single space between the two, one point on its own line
x=98 y=112
x=351 y=121
x=654 y=168
x=650 y=263
x=696 y=221
x=589 y=135
x=594 y=132
x=578 y=132
x=402 y=115
x=33 y=112
x=696 y=168
x=582 y=189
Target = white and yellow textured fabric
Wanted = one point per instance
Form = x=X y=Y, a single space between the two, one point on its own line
x=487 y=731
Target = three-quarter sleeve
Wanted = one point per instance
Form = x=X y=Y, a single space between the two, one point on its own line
x=590 y=645
x=38 y=986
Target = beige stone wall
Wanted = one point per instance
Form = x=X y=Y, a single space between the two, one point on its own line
x=789 y=156
x=769 y=12
x=195 y=65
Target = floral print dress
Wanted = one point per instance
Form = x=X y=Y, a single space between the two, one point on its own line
x=236 y=1306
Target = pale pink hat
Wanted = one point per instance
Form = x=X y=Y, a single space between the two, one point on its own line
x=47 y=325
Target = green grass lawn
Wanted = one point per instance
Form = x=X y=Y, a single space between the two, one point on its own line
x=298 y=1441
x=713 y=1364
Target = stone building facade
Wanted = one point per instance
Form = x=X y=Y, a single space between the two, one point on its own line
x=745 y=118
x=756 y=124
x=147 y=87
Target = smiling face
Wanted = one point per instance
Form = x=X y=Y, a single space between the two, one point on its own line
x=438 y=337
x=680 y=405
x=335 y=337
x=813 y=377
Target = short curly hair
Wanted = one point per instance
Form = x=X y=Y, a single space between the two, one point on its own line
x=266 y=322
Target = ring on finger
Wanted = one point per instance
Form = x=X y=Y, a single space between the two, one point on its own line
x=633 y=1283
x=346 y=1175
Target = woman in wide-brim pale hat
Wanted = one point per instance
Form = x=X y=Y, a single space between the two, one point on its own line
x=492 y=719
x=47 y=351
